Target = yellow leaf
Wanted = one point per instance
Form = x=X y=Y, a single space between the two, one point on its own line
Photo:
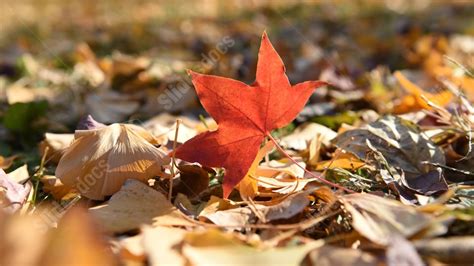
x=414 y=101
x=248 y=186
x=344 y=161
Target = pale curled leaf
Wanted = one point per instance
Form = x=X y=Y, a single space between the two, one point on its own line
x=99 y=161
x=304 y=133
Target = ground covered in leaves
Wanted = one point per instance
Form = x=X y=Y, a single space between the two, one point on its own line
x=376 y=169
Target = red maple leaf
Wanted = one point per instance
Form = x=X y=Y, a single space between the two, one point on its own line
x=245 y=115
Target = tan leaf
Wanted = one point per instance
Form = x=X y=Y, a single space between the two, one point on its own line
x=304 y=133
x=216 y=248
x=56 y=145
x=56 y=188
x=99 y=161
x=160 y=245
x=136 y=204
x=77 y=242
x=20 y=175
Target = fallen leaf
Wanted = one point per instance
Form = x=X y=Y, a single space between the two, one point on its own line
x=450 y=250
x=248 y=185
x=88 y=122
x=5 y=163
x=332 y=255
x=77 y=241
x=131 y=250
x=100 y=160
x=56 y=188
x=242 y=216
x=402 y=252
x=245 y=115
x=303 y=134
x=110 y=107
x=380 y=219
x=215 y=248
x=193 y=180
x=12 y=194
x=20 y=175
x=56 y=145
x=404 y=147
x=344 y=161
x=134 y=205
x=160 y=243
x=415 y=101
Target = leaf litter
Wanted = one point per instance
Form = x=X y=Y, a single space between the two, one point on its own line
x=368 y=164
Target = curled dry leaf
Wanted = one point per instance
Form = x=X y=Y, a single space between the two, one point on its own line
x=56 y=188
x=99 y=161
x=398 y=144
x=56 y=145
x=380 y=219
x=136 y=204
x=12 y=194
x=304 y=133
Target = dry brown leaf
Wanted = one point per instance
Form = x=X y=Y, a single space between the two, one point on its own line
x=193 y=180
x=136 y=204
x=100 y=160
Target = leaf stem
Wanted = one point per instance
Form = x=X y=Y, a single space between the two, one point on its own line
x=269 y=135
x=170 y=192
